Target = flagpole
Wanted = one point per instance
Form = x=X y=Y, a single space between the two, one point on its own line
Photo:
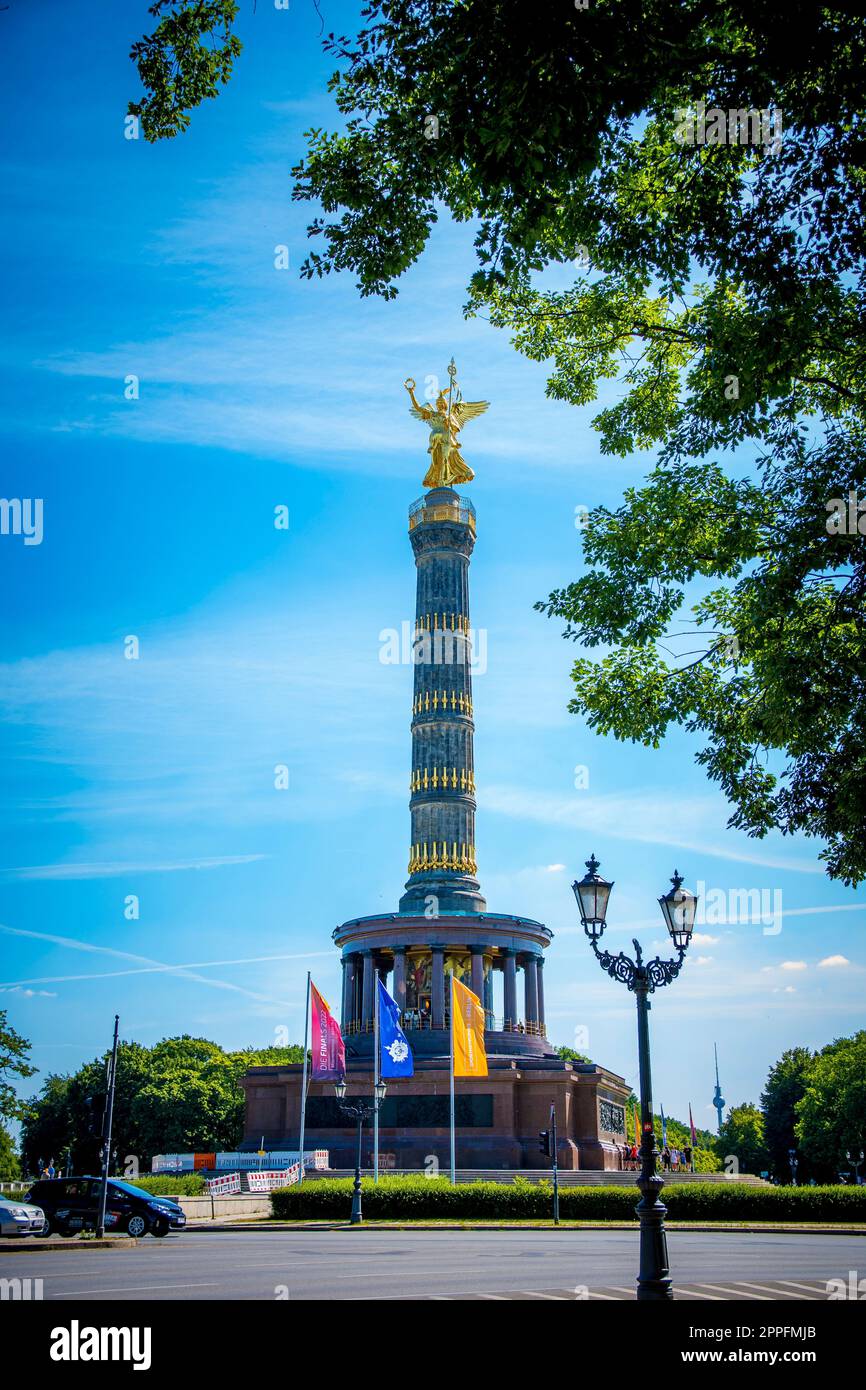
x=376 y=1082
x=451 y=1066
x=304 y=1081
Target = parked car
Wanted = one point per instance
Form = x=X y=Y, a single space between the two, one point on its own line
x=20 y=1219
x=71 y=1205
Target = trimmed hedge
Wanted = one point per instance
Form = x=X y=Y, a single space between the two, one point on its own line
x=420 y=1198
x=164 y=1185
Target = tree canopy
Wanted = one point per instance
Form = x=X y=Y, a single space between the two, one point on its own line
x=181 y=1095
x=785 y=1088
x=742 y=1137
x=720 y=279
x=831 y=1115
x=14 y=1052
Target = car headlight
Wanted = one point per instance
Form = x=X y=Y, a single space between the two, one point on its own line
x=20 y=1213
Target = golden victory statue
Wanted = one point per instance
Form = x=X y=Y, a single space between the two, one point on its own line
x=446 y=418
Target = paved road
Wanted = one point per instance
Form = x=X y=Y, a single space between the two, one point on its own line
x=371 y=1264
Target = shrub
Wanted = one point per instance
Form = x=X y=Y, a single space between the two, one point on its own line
x=420 y=1198
x=166 y=1185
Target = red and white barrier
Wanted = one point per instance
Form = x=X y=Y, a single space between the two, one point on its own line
x=223 y=1185
x=269 y=1180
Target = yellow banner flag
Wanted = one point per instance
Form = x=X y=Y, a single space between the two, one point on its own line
x=467 y=1030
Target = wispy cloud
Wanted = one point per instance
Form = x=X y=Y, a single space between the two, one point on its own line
x=637 y=818
x=28 y=993
x=88 y=871
x=73 y=944
x=168 y=969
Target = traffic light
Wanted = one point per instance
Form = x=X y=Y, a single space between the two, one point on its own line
x=544 y=1144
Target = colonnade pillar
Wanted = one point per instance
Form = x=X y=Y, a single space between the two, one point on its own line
x=477 y=976
x=530 y=984
x=367 y=989
x=400 y=977
x=509 y=967
x=437 y=990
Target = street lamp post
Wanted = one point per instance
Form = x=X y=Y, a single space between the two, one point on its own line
x=855 y=1164
x=642 y=978
x=358 y=1109
x=793 y=1161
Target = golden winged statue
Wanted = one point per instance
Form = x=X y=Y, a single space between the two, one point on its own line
x=445 y=418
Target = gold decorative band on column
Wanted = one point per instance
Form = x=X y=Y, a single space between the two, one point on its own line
x=427 y=779
x=444 y=700
x=442 y=622
x=460 y=858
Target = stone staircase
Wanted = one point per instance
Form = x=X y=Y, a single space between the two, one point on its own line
x=585 y=1177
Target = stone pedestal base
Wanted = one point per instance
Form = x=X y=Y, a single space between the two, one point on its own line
x=499 y=1117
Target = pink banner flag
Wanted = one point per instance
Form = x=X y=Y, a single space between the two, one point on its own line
x=328 y=1049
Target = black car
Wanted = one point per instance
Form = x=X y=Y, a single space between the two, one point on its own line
x=72 y=1205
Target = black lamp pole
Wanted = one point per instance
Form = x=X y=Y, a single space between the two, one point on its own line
x=855 y=1164
x=678 y=906
x=360 y=1110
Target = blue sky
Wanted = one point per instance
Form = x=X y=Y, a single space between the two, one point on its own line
x=155 y=777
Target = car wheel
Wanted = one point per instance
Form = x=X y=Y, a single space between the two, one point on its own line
x=48 y=1228
x=159 y=1227
x=136 y=1226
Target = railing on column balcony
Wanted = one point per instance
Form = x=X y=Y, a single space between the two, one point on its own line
x=517 y=1025
x=414 y=1022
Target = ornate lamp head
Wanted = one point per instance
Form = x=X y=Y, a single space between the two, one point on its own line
x=592 y=894
x=340 y=1089
x=678 y=908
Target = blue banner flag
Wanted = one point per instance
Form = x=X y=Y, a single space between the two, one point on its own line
x=664 y=1130
x=395 y=1056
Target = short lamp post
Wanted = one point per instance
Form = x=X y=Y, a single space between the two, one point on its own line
x=793 y=1162
x=358 y=1109
x=855 y=1165
x=678 y=908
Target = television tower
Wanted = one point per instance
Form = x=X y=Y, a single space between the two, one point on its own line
x=718 y=1102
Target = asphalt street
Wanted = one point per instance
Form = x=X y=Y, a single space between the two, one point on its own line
x=370 y=1264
